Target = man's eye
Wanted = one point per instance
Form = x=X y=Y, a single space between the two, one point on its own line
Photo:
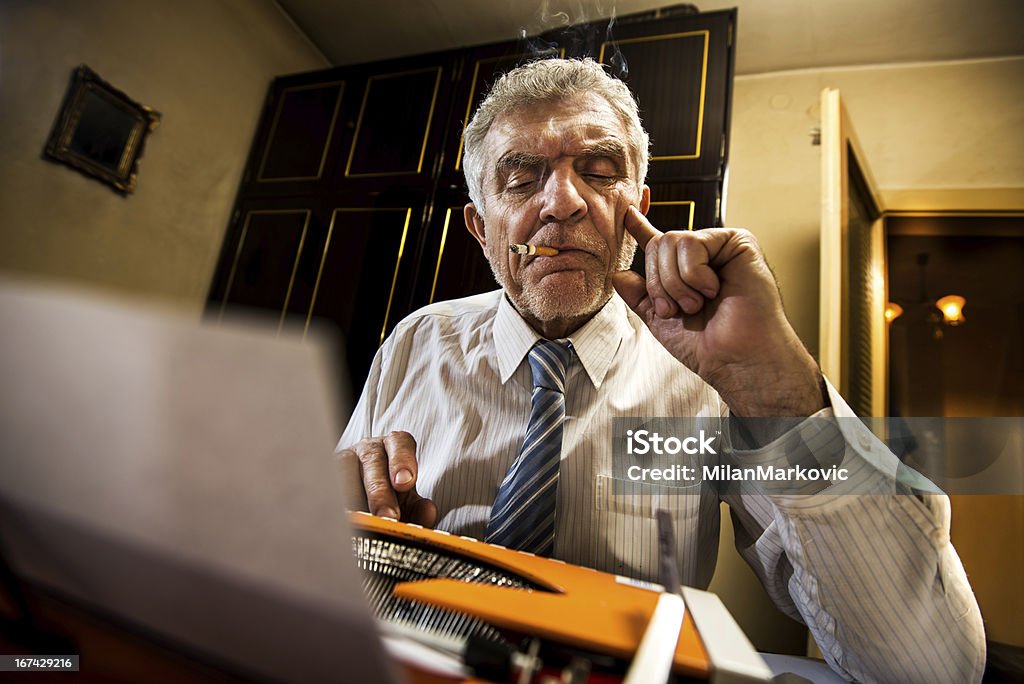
x=520 y=183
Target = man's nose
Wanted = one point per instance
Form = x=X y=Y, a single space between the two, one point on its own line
x=562 y=199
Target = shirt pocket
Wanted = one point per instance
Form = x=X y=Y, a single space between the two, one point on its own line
x=643 y=499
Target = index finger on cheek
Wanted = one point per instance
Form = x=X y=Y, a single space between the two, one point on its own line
x=639 y=227
x=401 y=449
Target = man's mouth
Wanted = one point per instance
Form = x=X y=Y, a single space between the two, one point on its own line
x=564 y=248
x=567 y=259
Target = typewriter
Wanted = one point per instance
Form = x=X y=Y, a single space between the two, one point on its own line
x=512 y=616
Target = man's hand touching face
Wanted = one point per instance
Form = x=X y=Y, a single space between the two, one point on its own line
x=713 y=303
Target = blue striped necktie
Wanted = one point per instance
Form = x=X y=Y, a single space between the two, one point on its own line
x=523 y=515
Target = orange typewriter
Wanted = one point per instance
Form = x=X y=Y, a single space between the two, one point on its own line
x=513 y=616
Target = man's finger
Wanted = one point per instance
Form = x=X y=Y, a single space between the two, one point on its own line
x=352 y=482
x=676 y=273
x=693 y=257
x=420 y=511
x=639 y=227
x=664 y=304
x=633 y=290
x=401 y=448
x=373 y=463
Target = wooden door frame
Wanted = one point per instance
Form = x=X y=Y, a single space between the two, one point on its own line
x=841 y=153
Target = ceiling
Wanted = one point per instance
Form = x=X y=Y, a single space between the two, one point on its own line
x=773 y=35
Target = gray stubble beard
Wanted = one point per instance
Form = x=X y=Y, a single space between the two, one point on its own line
x=538 y=304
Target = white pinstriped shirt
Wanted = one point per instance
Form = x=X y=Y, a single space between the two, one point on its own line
x=874 y=577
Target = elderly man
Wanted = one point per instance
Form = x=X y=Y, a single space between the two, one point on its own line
x=490 y=416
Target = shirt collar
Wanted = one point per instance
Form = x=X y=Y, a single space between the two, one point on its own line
x=596 y=342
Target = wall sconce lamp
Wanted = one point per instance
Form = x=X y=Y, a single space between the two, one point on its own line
x=892 y=311
x=952 y=308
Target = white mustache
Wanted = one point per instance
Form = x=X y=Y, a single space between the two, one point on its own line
x=575 y=238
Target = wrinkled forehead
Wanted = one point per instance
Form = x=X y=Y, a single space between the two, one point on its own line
x=555 y=129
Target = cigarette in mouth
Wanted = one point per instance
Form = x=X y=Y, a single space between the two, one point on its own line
x=539 y=250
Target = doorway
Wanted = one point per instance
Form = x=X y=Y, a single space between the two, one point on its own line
x=972 y=367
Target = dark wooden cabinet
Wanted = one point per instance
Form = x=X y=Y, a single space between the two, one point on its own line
x=350 y=208
x=684 y=106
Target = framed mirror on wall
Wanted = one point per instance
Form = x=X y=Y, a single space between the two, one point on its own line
x=100 y=131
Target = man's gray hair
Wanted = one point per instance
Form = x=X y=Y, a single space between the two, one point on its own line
x=549 y=80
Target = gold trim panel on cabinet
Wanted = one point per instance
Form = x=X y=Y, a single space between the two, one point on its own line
x=362 y=112
x=705 y=35
x=241 y=244
x=398 y=260
x=260 y=176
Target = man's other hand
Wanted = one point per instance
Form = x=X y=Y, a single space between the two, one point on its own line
x=386 y=469
x=713 y=303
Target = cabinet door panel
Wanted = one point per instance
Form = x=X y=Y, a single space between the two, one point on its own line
x=265 y=258
x=453 y=263
x=362 y=278
x=394 y=123
x=672 y=137
x=300 y=133
x=679 y=69
x=672 y=215
x=482 y=67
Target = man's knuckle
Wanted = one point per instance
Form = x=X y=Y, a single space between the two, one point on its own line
x=377 y=488
x=746 y=236
x=689 y=270
x=400 y=438
x=370 y=454
x=687 y=242
x=654 y=286
x=672 y=281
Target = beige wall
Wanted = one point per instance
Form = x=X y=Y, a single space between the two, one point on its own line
x=954 y=125
x=205 y=65
x=923 y=127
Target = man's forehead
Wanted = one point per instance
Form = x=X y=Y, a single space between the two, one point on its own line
x=552 y=129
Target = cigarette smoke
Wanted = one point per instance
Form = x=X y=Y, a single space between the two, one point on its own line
x=577 y=26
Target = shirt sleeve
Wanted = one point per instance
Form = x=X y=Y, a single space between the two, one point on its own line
x=361 y=422
x=866 y=561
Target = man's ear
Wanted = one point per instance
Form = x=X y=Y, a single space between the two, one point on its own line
x=475 y=224
x=645 y=200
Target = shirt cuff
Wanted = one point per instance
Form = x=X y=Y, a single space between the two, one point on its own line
x=804 y=459
x=822 y=461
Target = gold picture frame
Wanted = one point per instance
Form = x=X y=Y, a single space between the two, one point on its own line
x=100 y=131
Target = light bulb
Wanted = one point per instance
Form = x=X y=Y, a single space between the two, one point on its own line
x=952 y=308
x=892 y=311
